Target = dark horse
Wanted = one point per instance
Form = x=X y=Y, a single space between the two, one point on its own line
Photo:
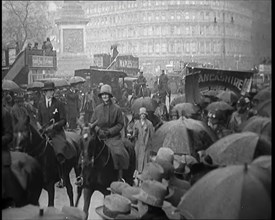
x=30 y=141
x=98 y=167
x=22 y=182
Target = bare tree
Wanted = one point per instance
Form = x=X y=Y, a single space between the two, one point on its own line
x=24 y=21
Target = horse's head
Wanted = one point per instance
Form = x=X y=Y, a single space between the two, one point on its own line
x=21 y=133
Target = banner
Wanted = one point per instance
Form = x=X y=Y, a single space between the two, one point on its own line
x=203 y=79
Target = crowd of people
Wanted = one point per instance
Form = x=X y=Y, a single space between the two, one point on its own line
x=160 y=181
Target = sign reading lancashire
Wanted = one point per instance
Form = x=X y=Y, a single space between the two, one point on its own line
x=237 y=81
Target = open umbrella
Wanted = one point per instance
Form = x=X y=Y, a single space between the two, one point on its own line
x=186 y=109
x=35 y=86
x=183 y=136
x=263 y=94
x=177 y=100
x=259 y=125
x=74 y=80
x=232 y=192
x=58 y=82
x=9 y=85
x=174 y=135
x=147 y=102
x=219 y=105
x=264 y=108
x=228 y=96
x=238 y=148
x=263 y=161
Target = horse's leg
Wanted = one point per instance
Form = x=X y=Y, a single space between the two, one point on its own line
x=79 y=191
x=68 y=184
x=87 y=199
x=51 y=192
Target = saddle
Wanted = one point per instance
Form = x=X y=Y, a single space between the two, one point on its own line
x=119 y=153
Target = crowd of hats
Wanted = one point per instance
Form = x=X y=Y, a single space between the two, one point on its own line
x=159 y=185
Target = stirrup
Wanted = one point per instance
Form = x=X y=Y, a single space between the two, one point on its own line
x=122 y=180
x=60 y=184
x=79 y=181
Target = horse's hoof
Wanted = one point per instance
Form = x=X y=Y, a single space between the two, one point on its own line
x=60 y=184
x=79 y=181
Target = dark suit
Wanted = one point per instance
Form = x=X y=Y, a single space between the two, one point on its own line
x=58 y=113
x=46 y=114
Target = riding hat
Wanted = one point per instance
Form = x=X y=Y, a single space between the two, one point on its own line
x=142 y=110
x=48 y=85
x=105 y=89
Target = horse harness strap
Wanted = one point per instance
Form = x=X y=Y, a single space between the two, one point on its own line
x=95 y=158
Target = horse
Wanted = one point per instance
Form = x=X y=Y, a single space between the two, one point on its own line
x=98 y=165
x=28 y=139
x=21 y=182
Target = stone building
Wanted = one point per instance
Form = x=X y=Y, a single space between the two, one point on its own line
x=162 y=32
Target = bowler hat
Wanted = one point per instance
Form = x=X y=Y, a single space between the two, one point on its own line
x=129 y=192
x=115 y=205
x=105 y=89
x=48 y=85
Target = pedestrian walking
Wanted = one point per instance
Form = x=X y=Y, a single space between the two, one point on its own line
x=143 y=130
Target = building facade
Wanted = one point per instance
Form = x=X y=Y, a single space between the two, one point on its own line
x=165 y=32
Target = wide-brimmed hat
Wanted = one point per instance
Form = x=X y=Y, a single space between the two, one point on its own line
x=116 y=206
x=143 y=110
x=48 y=85
x=152 y=171
x=129 y=193
x=152 y=193
x=117 y=187
x=105 y=89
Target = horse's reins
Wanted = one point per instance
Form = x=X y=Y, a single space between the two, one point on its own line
x=93 y=159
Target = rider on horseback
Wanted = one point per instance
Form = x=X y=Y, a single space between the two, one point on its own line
x=51 y=120
x=141 y=83
x=109 y=119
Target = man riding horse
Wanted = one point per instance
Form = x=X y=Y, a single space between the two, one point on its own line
x=163 y=86
x=141 y=85
x=51 y=120
x=109 y=122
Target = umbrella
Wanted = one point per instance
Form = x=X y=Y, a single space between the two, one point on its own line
x=259 y=125
x=238 y=148
x=201 y=135
x=186 y=109
x=228 y=96
x=58 y=82
x=147 y=102
x=32 y=212
x=174 y=135
x=232 y=192
x=177 y=100
x=219 y=105
x=264 y=108
x=76 y=80
x=183 y=136
x=211 y=93
x=263 y=161
x=9 y=85
x=35 y=86
x=263 y=94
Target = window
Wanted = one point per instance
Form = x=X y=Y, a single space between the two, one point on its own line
x=207 y=47
x=164 y=48
x=202 y=49
x=186 y=15
x=187 y=47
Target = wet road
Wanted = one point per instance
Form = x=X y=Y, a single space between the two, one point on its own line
x=62 y=199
